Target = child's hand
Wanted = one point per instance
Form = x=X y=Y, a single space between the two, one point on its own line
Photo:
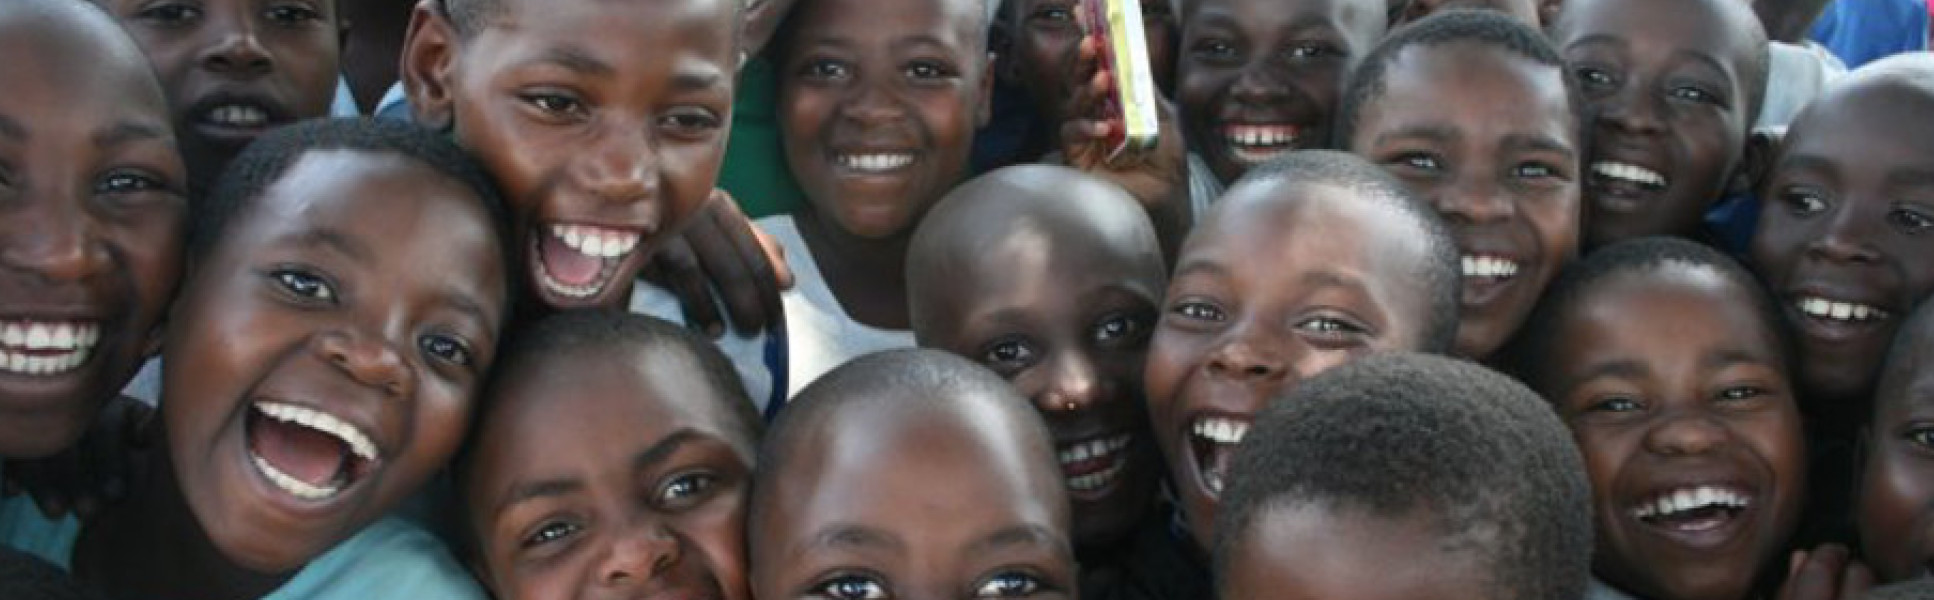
x=1158 y=177
x=722 y=249
x=97 y=471
x=1825 y=573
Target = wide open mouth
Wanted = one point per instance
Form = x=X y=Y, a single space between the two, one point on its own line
x=1213 y=441
x=309 y=454
x=1625 y=178
x=580 y=261
x=46 y=348
x=1094 y=464
x=1695 y=509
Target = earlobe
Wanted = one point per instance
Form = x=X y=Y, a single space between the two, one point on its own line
x=1755 y=163
x=429 y=55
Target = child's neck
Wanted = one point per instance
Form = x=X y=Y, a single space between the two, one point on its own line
x=867 y=276
x=151 y=546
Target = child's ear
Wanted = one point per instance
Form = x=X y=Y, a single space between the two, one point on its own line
x=429 y=57
x=1755 y=163
x=984 y=97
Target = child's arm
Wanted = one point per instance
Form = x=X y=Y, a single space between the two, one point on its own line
x=722 y=249
x=1157 y=177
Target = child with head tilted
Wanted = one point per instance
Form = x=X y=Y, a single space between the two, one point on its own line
x=909 y=474
x=344 y=304
x=611 y=459
x=1406 y=476
x=1667 y=104
x=92 y=215
x=1894 y=506
x=1051 y=277
x=1473 y=111
x=1670 y=365
x=1307 y=263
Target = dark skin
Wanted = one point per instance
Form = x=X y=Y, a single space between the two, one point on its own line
x=1059 y=298
x=1665 y=101
x=374 y=41
x=1669 y=385
x=1895 y=497
x=934 y=503
x=1044 y=37
x=1268 y=293
x=610 y=474
x=326 y=295
x=604 y=123
x=1530 y=12
x=1311 y=552
x=1842 y=235
x=1265 y=68
x=92 y=213
x=1489 y=140
x=877 y=109
x=233 y=69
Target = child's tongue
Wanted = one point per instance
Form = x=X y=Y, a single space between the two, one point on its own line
x=568 y=266
x=300 y=452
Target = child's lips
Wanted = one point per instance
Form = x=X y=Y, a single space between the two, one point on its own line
x=1092 y=466
x=1836 y=316
x=1212 y=441
x=235 y=117
x=1622 y=186
x=576 y=262
x=46 y=347
x=307 y=453
x=1702 y=518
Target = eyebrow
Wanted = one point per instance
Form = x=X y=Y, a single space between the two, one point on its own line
x=1019 y=535
x=1435 y=133
x=1327 y=278
x=575 y=59
x=1540 y=143
x=545 y=488
x=1729 y=357
x=333 y=239
x=1623 y=369
x=663 y=450
x=122 y=133
x=1911 y=177
x=847 y=536
x=1194 y=266
x=460 y=300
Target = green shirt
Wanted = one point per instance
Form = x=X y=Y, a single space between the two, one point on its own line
x=755 y=160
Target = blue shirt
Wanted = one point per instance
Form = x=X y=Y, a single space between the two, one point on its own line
x=1859 y=31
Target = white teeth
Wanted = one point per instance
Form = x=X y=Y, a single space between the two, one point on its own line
x=1674 y=502
x=1260 y=135
x=874 y=163
x=1098 y=479
x=1629 y=172
x=596 y=242
x=1221 y=431
x=1489 y=266
x=295 y=487
x=1101 y=447
x=238 y=115
x=1822 y=308
x=46 y=348
x=358 y=442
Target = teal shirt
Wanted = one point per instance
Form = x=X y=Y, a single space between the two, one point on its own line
x=755 y=170
x=388 y=559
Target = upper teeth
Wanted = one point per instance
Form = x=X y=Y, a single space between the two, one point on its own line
x=875 y=162
x=1260 y=135
x=321 y=421
x=1629 y=172
x=46 y=348
x=244 y=116
x=1221 y=430
x=1839 y=311
x=1688 y=499
x=596 y=242
x=1095 y=448
x=1489 y=266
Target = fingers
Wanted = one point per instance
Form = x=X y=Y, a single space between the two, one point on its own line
x=738 y=265
x=675 y=267
x=1825 y=573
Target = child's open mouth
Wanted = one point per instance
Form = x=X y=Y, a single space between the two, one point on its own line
x=1836 y=319
x=1612 y=179
x=1255 y=144
x=1213 y=441
x=1094 y=464
x=310 y=454
x=580 y=261
x=46 y=348
x=1694 y=514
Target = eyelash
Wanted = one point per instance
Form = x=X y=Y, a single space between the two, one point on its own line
x=1196 y=310
x=873 y=589
x=1002 y=585
x=550 y=532
x=304 y=286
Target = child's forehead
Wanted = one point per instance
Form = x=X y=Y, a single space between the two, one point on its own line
x=1714 y=23
x=648 y=393
x=1339 y=14
x=967 y=18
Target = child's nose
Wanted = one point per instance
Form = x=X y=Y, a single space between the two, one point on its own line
x=1633 y=111
x=622 y=168
x=1259 y=82
x=61 y=243
x=1074 y=386
x=1248 y=358
x=368 y=359
x=872 y=105
x=237 y=52
x=1848 y=238
x=1475 y=199
x=638 y=555
x=1685 y=434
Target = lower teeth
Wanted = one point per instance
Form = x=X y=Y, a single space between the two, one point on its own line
x=295 y=487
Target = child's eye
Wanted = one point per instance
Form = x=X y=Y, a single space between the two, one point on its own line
x=550 y=531
x=1920 y=436
x=1534 y=171
x=928 y=70
x=304 y=285
x=555 y=104
x=128 y=183
x=690 y=121
x=1008 y=585
x=1118 y=328
x=685 y=490
x=1008 y=354
x=292 y=14
x=445 y=348
x=1200 y=311
x=169 y=13
x=1214 y=49
x=1614 y=404
x=1593 y=77
x=1912 y=221
x=850 y=587
x=1310 y=50
x=1418 y=161
x=1739 y=393
x=1694 y=94
x=1053 y=14
x=826 y=69
x=1804 y=201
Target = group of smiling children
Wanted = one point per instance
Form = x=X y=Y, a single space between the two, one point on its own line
x=1413 y=299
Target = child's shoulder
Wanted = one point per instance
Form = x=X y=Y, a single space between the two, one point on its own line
x=390 y=558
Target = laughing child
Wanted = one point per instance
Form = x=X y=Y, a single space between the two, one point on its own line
x=1484 y=497
x=1669 y=91
x=604 y=122
x=909 y=474
x=92 y=212
x=1307 y=263
x=343 y=304
x=1257 y=78
x=1670 y=365
x=1473 y=111
x=611 y=459
x=1895 y=503
x=1051 y=278
x=234 y=69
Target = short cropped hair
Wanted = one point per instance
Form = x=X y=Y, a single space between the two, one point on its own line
x=1489 y=29
x=264 y=162
x=1903 y=359
x=1528 y=354
x=1752 y=75
x=1402 y=434
x=1441 y=275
